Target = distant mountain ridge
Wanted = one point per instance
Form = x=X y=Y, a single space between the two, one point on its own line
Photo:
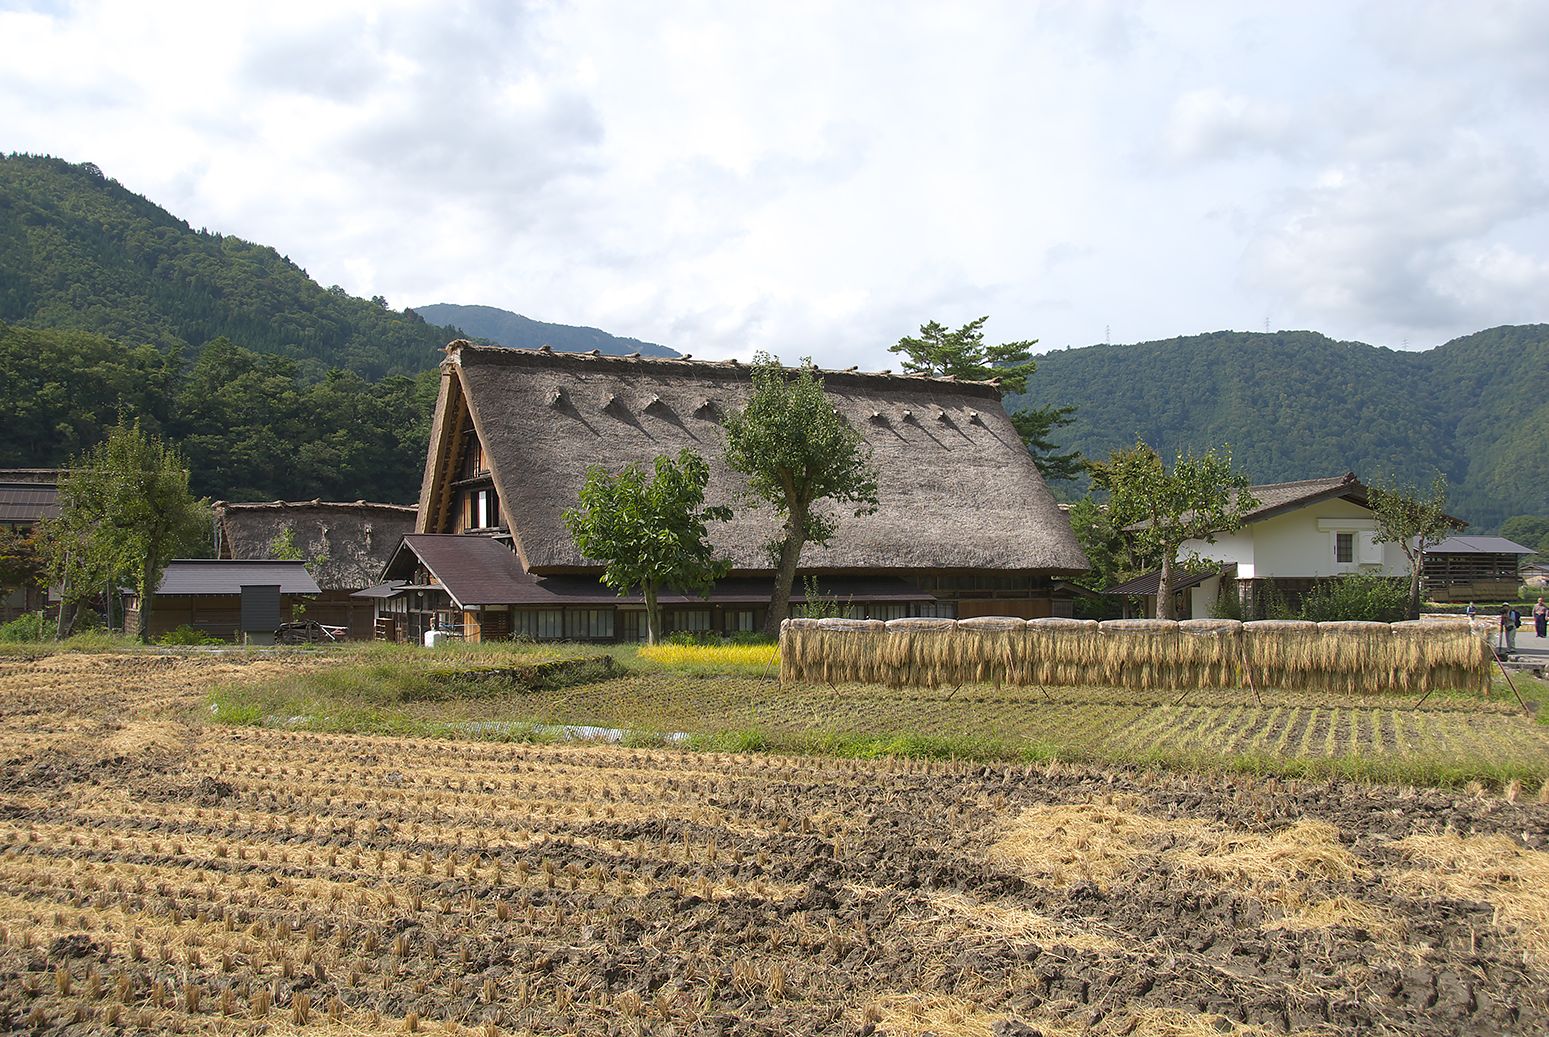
x=101 y=272
x=504 y=328
x=1297 y=404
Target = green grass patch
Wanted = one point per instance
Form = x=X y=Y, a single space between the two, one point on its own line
x=541 y=692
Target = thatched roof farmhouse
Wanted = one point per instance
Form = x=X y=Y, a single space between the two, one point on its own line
x=965 y=526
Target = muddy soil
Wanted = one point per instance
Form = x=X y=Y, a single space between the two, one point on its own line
x=160 y=875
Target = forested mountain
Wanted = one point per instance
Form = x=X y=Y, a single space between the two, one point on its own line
x=80 y=251
x=249 y=424
x=1297 y=404
x=504 y=328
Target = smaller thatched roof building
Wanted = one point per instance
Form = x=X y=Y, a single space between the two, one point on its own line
x=346 y=545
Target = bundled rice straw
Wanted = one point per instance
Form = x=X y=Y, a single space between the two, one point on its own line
x=1062 y=652
x=916 y=651
x=1216 y=652
x=1442 y=655
x=1343 y=658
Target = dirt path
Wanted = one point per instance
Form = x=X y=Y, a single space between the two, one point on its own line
x=160 y=875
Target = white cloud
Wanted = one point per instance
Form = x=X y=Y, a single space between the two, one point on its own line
x=1211 y=124
x=819 y=178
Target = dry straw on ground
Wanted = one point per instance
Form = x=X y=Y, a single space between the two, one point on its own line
x=1344 y=658
x=1489 y=869
x=942 y=1015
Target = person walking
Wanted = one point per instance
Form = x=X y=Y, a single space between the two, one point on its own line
x=1541 y=618
x=1506 y=631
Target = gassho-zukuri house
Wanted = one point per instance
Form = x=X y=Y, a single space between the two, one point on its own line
x=965 y=526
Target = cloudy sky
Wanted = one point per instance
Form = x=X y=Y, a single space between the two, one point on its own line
x=821 y=178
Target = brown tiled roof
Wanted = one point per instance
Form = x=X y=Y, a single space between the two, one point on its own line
x=479 y=570
x=1277 y=497
x=1151 y=582
x=957 y=488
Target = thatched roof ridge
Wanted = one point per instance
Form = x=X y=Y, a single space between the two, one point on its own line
x=462 y=348
x=958 y=488
x=355 y=539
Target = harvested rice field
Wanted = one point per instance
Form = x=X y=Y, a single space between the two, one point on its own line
x=163 y=873
x=1452 y=739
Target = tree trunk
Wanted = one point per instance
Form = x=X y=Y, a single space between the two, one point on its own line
x=653 y=615
x=785 y=578
x=1416 y=568
x=145 y=611
x=1164 y=588
x=64 y=597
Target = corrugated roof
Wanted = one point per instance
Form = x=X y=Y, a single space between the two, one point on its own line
x=1483 y=545
x=28 y=502
x=957 y=488
x=478 y=570
x=1151 y=582
x=192 y=576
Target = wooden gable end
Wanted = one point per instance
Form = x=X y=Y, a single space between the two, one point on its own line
x=451 y=487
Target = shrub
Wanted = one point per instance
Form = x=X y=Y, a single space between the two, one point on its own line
x=187 y=635
x=1364 y=596
x=1272 y=604
x=1228 y=604
x=818 y=605
x=34 y=626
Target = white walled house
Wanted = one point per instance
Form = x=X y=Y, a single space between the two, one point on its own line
x=1300 y=532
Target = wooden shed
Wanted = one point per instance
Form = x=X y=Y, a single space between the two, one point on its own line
x=1474 y=568
x=206 y=594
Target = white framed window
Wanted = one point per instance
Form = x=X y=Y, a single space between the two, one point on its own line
x=1344 y=548
x=693 y=621
x=585 y=624
x=539 y=624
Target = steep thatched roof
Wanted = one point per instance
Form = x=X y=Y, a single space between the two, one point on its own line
x=958 y=489
x=354 y=539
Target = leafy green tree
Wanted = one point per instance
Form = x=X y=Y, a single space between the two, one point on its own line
x=963 y=354
x=1529 y=531
x=650 y=533
x=1036 y=425
x=1413 y=520
x=1112 y=553
x=125 y=510
x=1199 y=498
x=797 y=452
x=22 y=562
